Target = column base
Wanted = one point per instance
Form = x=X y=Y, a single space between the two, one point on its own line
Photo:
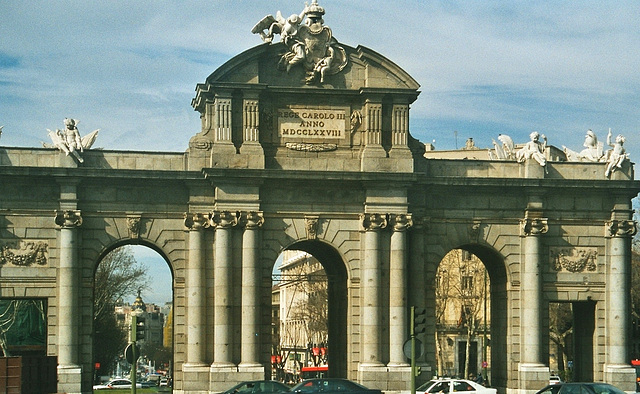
x=195 y=378
x=69 y=379
x=389 y=378
x=622 y=376
x=250 y=367
x=533 y=376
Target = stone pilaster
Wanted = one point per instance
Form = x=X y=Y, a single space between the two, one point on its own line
x=251 y=133
x=398 y=278
x=250 y=343
x=371 y=314
x=373 y=152
x=223 y=221
x=68 y=222
x=533 y=372
x=195 y=297
x=617 y=369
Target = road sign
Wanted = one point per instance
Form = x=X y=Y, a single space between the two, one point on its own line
x=128 y=353
x=406 y=348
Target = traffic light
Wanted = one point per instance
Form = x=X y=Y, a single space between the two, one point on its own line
x=419 y=320
x=140 y=328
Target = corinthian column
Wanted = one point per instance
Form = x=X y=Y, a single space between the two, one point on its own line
x=222 y=283
x=531 y=291
x=371 y=319
x=398 y=290
x=250 y=290
x=195 y=277
x=68 y=302
x=620 y=233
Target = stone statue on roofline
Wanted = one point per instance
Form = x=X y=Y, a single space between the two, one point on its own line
x=593 y=150
x=505 y=150
x=69 y=140
x=311 y=45
x=615 y=156
x=534 y=149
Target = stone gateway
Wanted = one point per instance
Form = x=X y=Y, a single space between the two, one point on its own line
x=305 y=145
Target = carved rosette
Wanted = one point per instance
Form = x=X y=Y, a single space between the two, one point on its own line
x=401 y=222
x=24 y=253
x=311 y=226
x=621 y=228
x=373 y=221
x=573 y=259
x=196 y=221
x=532 y=227
x=252 y=219
x=68 y=218
x=224 y=219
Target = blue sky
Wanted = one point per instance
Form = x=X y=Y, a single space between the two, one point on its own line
x=485 y=67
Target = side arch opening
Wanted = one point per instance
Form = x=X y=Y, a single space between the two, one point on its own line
x=335 y=277
x=132 y=280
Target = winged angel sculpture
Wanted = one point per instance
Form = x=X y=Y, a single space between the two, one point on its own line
x=310 y=44
x=69 y=140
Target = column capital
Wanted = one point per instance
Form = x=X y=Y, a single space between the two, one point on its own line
x=196 y=221
x=621 y=228
x=68 y=218
x=224 y=219
x=252 y=219
x=533 y=226
x=401 y=221
x=373 y=221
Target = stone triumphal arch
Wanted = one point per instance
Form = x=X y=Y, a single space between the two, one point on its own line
x=305 y=144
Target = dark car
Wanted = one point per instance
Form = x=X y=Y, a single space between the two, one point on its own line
x=580 y=388
x=258 y=386
x=332 y=385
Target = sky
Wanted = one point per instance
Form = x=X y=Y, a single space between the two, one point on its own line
x=485 y=67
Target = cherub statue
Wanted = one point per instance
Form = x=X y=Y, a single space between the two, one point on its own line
x=1 y=127
x=615 y=156
x=69 y=140
x=533 y=149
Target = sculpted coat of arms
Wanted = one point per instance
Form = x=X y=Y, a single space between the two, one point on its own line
x=310 y=44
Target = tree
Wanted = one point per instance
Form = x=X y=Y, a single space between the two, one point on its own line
x=560 y=331
x=117 y=276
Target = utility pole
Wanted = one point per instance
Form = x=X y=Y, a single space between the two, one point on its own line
x=418 y=325
x=134 y=349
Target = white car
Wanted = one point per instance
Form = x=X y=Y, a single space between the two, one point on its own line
x=116 y=384
x=453 y=385
x=554 y=379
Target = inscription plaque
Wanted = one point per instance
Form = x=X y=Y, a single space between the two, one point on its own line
x=311 y=124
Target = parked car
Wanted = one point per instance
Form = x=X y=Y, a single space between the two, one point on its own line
x=447 y=385
x=580 y=388
x=116 y=384
x=554 y=379
x=332 y=385
x=258 y=386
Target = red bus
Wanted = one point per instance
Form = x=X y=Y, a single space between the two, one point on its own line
x=314 y=372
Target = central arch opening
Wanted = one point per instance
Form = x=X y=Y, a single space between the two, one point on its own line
x=470 y=313
x=310 y=327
